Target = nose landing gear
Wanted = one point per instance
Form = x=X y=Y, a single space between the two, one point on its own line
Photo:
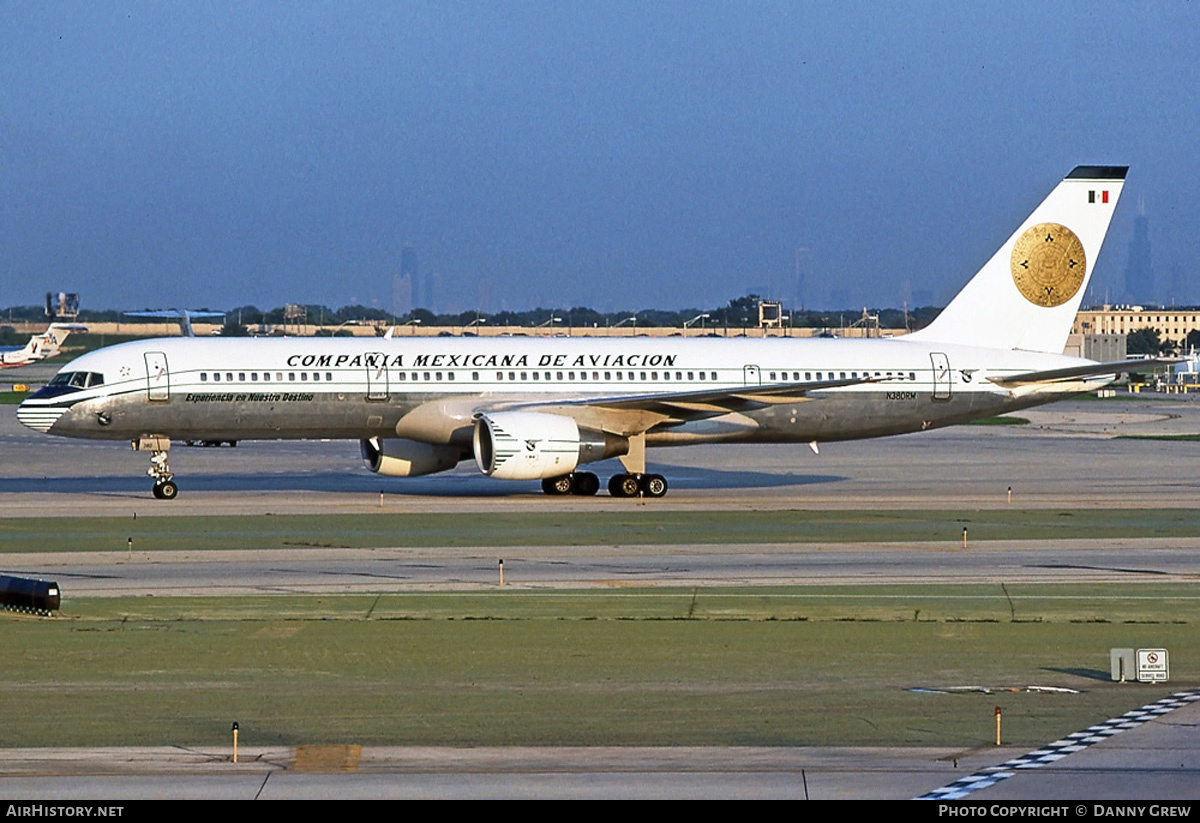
x=164 y=484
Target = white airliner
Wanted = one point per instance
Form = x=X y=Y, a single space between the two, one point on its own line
x=530 y=409
x=39 y=347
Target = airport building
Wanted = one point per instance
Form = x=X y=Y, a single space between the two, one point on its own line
x=1103 y=348
x=1173 y=324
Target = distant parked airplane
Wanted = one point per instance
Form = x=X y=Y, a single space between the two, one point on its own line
x=39 y=347
x=184 y=316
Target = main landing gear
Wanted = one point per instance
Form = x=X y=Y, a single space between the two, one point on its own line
x=633 y=482
x=631 y=485
x=581 y=483
x=164 y=483
x=620 y=485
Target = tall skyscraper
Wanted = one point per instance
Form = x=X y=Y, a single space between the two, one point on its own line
x=803 y=277
x=1139 y=273
x=429 y=290
x=408 y=268
x=402 y=296
x=1181 y=292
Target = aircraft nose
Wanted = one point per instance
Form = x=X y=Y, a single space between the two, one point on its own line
x=38 y=417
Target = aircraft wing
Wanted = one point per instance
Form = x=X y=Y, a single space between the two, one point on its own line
x=634 y=414
x=1075 y=372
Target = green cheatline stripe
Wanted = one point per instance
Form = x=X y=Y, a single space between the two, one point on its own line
x=370 y=528
x=1182 y=437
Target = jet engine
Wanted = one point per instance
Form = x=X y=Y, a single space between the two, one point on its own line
x=535 y=445
x=408 y=458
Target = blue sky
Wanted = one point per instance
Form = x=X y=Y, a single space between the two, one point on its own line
x=616 y=155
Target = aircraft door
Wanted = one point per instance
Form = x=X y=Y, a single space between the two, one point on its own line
x=751 y=375
x=941 y=375
x=158 y=379
x=377 y=376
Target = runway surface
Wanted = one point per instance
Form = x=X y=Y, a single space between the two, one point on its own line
x=1071 y=454
x=1068 y=456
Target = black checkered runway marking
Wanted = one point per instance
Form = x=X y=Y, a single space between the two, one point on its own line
x=1061 y=748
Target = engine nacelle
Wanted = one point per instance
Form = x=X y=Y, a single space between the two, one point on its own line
x=536 y=445
x=408 y=458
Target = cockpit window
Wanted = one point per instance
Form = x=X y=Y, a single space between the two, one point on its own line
x=77 y=379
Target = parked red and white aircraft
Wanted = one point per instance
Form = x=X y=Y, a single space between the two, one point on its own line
x=39 y=347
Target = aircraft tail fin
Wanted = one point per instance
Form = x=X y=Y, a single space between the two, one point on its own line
x=55 y=336
x=32 y=351
x=1027 y=295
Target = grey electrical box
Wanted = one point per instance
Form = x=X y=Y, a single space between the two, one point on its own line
x=1121 y=661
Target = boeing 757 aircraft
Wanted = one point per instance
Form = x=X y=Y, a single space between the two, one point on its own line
x=538 y=409
x=39 y=347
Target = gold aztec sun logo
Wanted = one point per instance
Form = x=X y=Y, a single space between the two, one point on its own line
x=1048 y=264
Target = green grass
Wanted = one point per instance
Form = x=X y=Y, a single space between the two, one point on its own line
x=1002 y=420
x=371 y=527
x=12 y=398
x=821 y=665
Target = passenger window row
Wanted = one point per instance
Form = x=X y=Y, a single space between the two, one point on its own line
x=83 y=379
x=265 y=377
x=598 y=376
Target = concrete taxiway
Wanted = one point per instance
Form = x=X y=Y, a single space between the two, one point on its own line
x=1072 y=454
x=1155 y=760
x=503 y=773
x=114 y=574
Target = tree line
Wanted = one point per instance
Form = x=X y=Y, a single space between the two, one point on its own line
x=741 y=312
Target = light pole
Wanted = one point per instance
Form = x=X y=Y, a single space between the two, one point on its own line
x=632 y=319
x=700 y=317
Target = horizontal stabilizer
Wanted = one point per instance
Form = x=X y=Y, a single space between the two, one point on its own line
x=1075 y=372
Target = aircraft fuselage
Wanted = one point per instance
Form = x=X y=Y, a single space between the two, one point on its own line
x=200 y=389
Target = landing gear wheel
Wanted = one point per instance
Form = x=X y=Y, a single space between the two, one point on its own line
x=564 y=484
x=586 y=484
x=159 y=471
x=623 y=485
x=653 y=485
